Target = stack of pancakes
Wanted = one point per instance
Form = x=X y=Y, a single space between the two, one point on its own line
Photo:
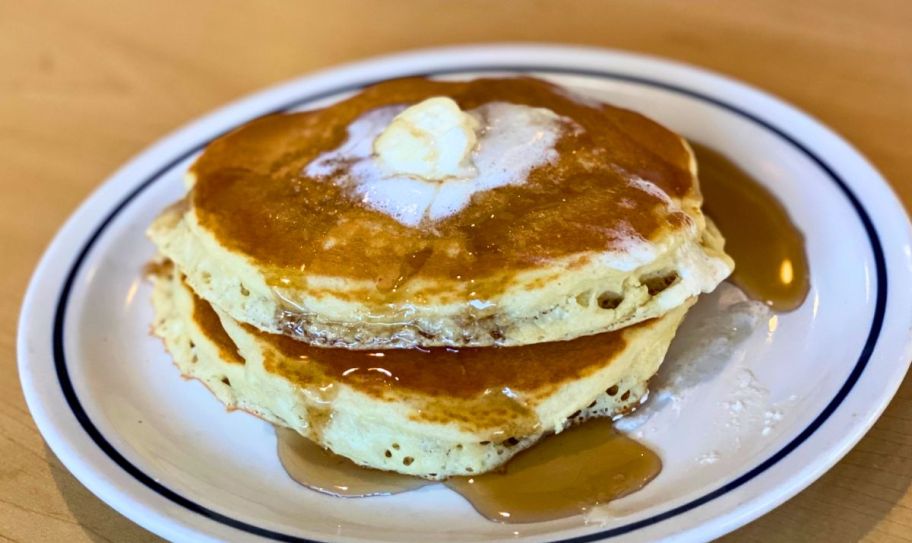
x=441 y=348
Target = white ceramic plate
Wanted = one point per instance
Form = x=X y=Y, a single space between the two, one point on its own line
x=165 y=453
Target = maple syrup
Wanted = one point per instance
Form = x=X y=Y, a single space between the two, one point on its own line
x=561 y=476
x=323 y=471
x=768 y=249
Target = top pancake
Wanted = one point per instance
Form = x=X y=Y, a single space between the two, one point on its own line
x=576 y=249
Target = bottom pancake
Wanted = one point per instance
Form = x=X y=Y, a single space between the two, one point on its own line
x=429 y=413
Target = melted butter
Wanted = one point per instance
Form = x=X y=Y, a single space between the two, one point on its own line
x=563 y=475
x=768 y=249
x=252 y=195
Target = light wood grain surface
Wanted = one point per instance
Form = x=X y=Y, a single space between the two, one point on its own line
x=84 y=85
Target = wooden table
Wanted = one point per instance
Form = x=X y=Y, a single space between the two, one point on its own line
x=84 y=85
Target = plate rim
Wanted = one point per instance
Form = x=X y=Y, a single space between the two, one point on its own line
x=567 y=69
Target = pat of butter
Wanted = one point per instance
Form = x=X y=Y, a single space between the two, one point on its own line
x=427 y=162
x=432 y=140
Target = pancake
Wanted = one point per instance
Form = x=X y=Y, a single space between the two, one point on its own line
x=603 y=232
x=430 y=413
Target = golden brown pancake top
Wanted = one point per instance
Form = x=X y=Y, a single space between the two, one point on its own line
x=252 y=194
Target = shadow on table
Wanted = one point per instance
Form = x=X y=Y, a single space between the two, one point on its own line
x=100 y=523
x=852 y=499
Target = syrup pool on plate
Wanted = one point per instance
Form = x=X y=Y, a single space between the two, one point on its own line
x=563 y=475
x=770 y=261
